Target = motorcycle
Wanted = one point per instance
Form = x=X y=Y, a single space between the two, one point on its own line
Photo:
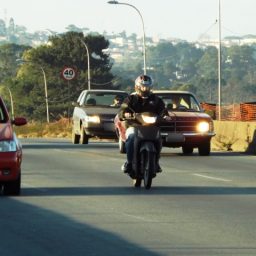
x=147 y=141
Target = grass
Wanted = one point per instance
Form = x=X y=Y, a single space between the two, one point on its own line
x=59 y=129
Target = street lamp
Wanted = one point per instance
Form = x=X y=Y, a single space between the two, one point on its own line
x=46 y=95
x=45 y=89
x=219 y=66
x=88 y=64
x=144 y=44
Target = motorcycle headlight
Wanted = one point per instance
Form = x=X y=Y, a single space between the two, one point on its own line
x=8 y=146
x=92 y=119
x=203 y=127
x=149 y=119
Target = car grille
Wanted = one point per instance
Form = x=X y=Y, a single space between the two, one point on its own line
x=107 y=118
x=180 y=125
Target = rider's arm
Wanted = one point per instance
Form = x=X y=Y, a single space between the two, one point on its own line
x=163 y=111
x=125 y=108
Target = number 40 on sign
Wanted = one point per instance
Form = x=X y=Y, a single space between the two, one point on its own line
x=68 y=73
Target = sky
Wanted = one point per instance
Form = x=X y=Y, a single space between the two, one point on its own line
x=183 y=19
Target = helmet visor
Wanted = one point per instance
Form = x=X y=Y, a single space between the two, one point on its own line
x=144 y=91
x=144 y=88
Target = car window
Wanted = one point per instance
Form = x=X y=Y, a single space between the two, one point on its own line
x=80 y=98
x=3 y=117
x=180 y=102
x=104 y=99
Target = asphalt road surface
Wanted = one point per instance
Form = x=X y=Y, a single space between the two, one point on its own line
x=75 y=201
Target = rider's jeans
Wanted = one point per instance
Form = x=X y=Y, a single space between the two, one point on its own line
x=129 y=143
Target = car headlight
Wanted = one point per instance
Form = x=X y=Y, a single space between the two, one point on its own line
x=149 y=119
x=92 y=119
x=8 y=146
x=203 y=127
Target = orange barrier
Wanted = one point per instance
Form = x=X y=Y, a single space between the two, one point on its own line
x=234 y=112
x=248 y=111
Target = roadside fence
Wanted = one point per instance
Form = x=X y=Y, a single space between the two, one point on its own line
x=234 y=112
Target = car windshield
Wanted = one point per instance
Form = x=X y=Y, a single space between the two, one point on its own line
x=105 y=99
x=180 y=102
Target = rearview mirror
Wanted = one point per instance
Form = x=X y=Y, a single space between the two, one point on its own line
x=75 y=104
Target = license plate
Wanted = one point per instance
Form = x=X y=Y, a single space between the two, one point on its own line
x=175 y=137
x=109 y=126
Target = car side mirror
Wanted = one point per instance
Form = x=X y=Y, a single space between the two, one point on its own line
x=19 y=121
x=75 y=104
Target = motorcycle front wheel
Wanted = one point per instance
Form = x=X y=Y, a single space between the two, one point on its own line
x=147 y=167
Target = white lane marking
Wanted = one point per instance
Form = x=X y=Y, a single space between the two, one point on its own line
x=210 y=177
x=140 y=218
x=136 y=217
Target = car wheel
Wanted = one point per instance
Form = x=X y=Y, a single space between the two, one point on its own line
x=187 y=150
x=12 y=187
x=121 y=143
x=75 y=137
x=205 y=149
x=83 y=137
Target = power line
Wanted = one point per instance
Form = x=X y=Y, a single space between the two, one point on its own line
x=208 y=29
x=106 y=83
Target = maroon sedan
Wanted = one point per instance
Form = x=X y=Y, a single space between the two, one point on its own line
x=188 y=128
x=10 y=153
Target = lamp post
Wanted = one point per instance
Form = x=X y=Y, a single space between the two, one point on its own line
x=144 y=43
x=88 y=64
x=46 y=95
x=45 y=89
x=219 y=66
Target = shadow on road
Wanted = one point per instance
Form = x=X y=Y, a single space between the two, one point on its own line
x=115 y=191
x=38 y=231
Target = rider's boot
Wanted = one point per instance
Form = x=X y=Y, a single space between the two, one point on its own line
x=127 y=167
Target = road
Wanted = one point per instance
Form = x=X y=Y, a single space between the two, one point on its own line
x=75 y=201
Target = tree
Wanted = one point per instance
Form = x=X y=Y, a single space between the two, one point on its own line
x=74 y=28
x=64 y=50
x=8 y=55
x=2 y=28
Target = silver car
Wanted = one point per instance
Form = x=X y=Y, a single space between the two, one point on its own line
x=94 y=113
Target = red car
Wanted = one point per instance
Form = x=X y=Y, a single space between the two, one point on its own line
x=10 y=153
x=188 y=128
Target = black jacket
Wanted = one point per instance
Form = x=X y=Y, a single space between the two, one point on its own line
x=137 y=104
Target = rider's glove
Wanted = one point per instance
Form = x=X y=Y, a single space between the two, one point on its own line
x=167 y=118
x=127 y=115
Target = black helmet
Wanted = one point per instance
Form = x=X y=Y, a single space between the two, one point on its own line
x=143 y=85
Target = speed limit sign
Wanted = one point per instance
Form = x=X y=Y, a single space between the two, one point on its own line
x=68 y=73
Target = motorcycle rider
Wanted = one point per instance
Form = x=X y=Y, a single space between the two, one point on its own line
x=142 y=100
